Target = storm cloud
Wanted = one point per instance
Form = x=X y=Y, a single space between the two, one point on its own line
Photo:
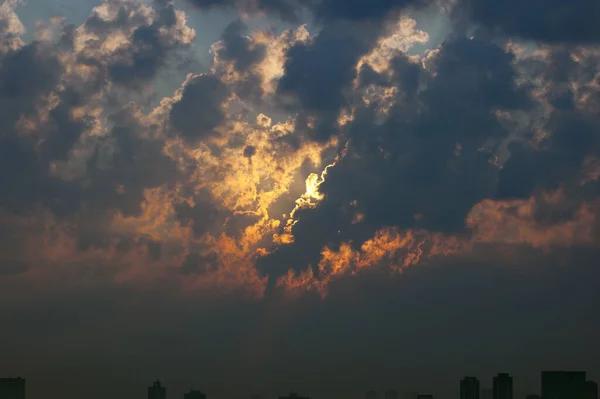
x=299 y=181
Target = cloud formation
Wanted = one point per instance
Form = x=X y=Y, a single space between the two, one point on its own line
x=551 y=21
x=306 y=187
x=298 y=158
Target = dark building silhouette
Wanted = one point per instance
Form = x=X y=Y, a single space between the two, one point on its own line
x=391 y=394
x=12 y=388
x=563 y=384
x=424 y=396
x=194 y=395
x=590 y=390
x=503 y=386
x=533 y=397
x=469 y=388
x=157 y=391
x=293 y=395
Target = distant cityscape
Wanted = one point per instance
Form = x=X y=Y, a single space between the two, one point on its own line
x=554 y=385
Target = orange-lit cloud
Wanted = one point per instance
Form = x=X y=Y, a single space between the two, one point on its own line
x=513 y=222
x=307 y=200
x=510 y=222
x=390 y=248
x=400 y=38
x=252 y=170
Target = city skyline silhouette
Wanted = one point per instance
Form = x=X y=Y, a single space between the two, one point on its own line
x=553 y=385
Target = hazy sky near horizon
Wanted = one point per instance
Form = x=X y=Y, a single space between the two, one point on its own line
x=327 y=196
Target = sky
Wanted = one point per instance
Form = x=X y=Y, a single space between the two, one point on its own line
x=326 y=196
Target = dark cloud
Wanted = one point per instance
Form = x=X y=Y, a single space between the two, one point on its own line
x=124 y=16
x=358 y=10
x=143 y=62
x=23 y=175
x=286 y=9
x=27 y=76
x=98 y=201
x=238 y=48
x=238 y=52
x=324 y=11
x=523 y=171
x=318 y=73
x=126 y=163
x=9 y=268
x=474 y=77
x=196 y=263
x=551 y=21
x=200 y=109
x=207 y=216
x=154 y=249
x=428 y=149
x=571 y=126
x=249 y=151
x=64 y=131
x=32 y=74
x=29 y=72
x=202 y=215
x=150 y=43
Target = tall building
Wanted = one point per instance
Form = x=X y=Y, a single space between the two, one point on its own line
x=469 y=388
x=503 y=386
x=194 y=395
x=371 y=395
x=563 y=384
x=591 y=390
x=391 y=394
x=12 y=388
x=157 y=391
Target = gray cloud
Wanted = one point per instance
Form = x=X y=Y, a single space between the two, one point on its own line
x=285 y=9
x=86 y=245
x=322 y=10
x=237 y=47
x=428 y=149
x=9 y=268
x=552 y=21
x=31 y=73
x=357 y=10
x=318 y=73
x=125 y=164
x=200 y=109
x=572 y=126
